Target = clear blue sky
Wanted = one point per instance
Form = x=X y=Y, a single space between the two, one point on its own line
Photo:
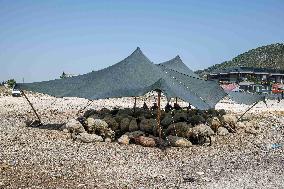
x=40 y=39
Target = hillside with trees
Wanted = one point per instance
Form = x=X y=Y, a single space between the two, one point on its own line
x=270 y=56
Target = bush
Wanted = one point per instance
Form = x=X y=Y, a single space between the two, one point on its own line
x=11 y=83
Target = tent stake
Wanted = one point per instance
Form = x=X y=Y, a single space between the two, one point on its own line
x=247 y=110
x=159 y=115
x=31 y=106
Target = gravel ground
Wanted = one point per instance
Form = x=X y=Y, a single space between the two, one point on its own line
x=47 y=158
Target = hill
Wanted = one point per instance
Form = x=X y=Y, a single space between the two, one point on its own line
x=269 y=56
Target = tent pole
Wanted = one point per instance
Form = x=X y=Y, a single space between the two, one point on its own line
x=247 y=110
x=134 y=107
x=159 y=114
x=31 y=106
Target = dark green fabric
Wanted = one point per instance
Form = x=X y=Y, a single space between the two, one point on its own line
x=126 y=78
x=134 y=76
x=178 y=65
x=208 y=91
x=245 y=97
x=172 y=88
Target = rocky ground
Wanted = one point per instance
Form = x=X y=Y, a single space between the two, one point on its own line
x=49 y=158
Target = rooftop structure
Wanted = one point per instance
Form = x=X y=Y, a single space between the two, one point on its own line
x=238 y=74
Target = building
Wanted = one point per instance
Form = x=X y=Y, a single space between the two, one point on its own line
x=249 y=78
x=239 y=74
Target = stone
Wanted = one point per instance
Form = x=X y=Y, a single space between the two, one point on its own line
x=99 y=124
x=222 y=131
x=118 y=118
x=89 y=113
x=200 y=173
x=200 y=134
x=148 y=125
x=135 y=134
x=180 y=117
x=215 y=123
x=229 y=120
x=101 y=128
x=2 y=184
x=88 y=138
x=159 y=142
x=65 y=130
x=112 y=123
x=90 y=123
x=180 y=129
x=250 y=129
x=167 y=120
x=73 y=126
x=110 y=133
x=124 y=139
x=145 y=141
x=104 y=112
x=240 y=125
x=202 y=130
x=124 y=112
x=178 y=141
x=133 y=125
x=108 y=140
x=124 y=124
x=196 y=119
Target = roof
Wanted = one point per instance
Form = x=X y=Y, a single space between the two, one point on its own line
x=242 y=69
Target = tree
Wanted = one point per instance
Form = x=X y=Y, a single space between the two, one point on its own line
x=63 y=75
x=11 y=83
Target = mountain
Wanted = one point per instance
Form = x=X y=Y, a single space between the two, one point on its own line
x=269 y=56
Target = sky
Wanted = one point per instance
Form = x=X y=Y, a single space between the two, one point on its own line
x=41 y=39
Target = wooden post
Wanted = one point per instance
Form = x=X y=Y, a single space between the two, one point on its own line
x=176 y=100
x=134 y=107
x=31 y=106
x=159 y=114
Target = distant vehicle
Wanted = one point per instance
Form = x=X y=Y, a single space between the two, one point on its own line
x=16 y=93
x=277 y=88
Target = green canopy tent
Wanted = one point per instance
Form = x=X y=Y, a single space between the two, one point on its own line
x=131 y=77
x=210 y=93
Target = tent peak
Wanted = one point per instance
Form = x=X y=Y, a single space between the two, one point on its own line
x=137 y=56
x=178 y=58
x=178 y=65
x=137 y=50
x=175 y=60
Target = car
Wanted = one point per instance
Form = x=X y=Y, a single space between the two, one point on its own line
x=16 y=93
